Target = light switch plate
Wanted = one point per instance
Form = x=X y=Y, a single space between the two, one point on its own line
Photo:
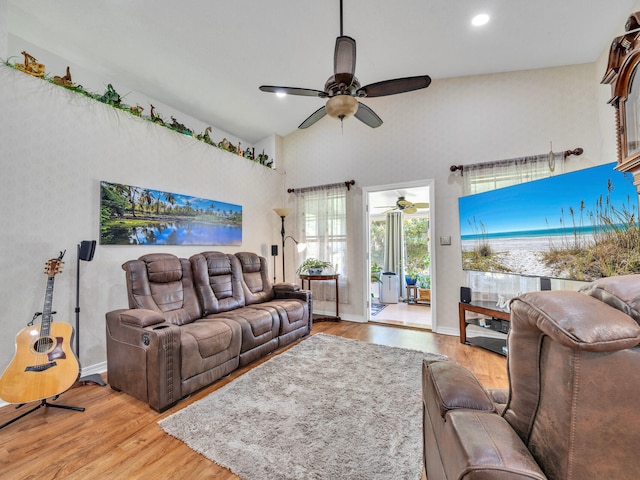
x=445 y=240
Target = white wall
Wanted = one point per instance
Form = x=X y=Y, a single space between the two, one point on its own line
x=455 y=121
x=55 y=148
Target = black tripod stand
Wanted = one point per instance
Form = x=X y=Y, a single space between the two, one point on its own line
x=86 y=250
x=43 y=403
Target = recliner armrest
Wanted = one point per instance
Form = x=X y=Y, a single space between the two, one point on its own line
x=454 y=387
x=286 y=287
x=483 y=445
x=141 y=318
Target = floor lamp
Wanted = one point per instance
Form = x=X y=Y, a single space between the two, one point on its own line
x=282 y=212
x=86 y=249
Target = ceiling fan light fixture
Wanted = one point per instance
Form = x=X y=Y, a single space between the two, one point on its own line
x=481 y=19
x=342 y=106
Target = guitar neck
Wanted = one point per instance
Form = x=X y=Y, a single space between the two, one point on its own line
x=46 y=310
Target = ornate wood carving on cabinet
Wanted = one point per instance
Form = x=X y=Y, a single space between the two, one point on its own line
x=621 y=74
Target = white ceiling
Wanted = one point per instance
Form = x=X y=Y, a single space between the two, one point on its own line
x=207 y=58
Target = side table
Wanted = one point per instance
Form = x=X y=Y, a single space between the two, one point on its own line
x=334 y=277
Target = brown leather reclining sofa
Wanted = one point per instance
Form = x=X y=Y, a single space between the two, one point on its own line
x=193 y=321
x=571 y=410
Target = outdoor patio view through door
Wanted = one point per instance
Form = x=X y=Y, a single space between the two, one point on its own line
x=400 y=257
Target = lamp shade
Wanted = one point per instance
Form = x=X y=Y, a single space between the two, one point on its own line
x=342 y=106
x=282 y=212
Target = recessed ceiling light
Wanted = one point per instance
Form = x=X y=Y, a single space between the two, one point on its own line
x=481 y=19
x=281 y=94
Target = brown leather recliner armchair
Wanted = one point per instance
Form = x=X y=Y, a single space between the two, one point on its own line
x=571 y=410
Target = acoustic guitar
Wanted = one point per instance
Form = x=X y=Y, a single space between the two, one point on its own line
x=44 y=364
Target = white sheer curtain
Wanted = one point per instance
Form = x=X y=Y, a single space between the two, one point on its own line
x=322 y=225
x=483 y=177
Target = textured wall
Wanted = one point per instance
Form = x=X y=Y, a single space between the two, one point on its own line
x=55 y=148
x=455 y=121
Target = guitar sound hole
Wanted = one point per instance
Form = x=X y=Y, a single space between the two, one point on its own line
x=44 y=345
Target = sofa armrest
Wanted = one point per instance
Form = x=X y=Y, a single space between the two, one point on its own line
x=453 y=387
x=143 y=357
x=140 y=317
x=286 y=287
x=483 y=445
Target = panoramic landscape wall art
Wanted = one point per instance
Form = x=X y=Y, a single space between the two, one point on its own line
x=141 y=216
x=581 y=225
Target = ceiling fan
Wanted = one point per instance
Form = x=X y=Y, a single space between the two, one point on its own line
x=343 y=86
x=405 y=206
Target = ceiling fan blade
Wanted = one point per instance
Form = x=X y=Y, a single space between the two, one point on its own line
x=421 y=205
x=314 y=117
x=410 y=210
x=305 y=92
x=344 y=60
x=367 y=116
x=403 y=202
x=392 y=87
x=389 y=211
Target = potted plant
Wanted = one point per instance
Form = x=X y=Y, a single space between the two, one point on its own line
x=376 y=270
x=313 y=266
x=411 y=277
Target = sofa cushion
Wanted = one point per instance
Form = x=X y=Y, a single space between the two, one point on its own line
x=217 y=282
x=162 y=267
x=255 y=279
x=207 y=344
x=170 y=293
x=621 y=292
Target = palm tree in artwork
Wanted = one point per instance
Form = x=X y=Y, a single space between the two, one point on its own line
x=146 y=199
x=170 y=198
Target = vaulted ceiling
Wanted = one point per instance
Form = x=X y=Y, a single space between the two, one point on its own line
x=207 y=58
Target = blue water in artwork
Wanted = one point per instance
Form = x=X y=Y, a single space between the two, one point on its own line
x=179 y=233
x=544 y=232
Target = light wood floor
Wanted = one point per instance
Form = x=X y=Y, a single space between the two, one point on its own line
x=118 y=437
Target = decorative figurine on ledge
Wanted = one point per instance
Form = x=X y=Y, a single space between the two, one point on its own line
x=204 y=137
x=227 y=145
x=137 y=110
x=263 y=159
x=110 y=96
x=179 y=126
x=64 y=81
x=31 y=66
x=249 y=154
x=155 y=117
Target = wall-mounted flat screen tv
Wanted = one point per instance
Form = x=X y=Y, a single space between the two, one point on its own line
x=581 y=225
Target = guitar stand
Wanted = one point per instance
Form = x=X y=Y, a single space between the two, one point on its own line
x=43 y=403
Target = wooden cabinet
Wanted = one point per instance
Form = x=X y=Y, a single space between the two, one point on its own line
x=621 y=74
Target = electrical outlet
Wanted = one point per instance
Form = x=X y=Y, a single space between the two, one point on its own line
x=445 y=240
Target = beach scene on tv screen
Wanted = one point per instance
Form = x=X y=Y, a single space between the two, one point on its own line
x=581 y=225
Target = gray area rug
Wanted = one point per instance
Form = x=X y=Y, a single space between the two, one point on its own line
x=328 y=408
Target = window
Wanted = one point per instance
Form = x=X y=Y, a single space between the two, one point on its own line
x=322 y=225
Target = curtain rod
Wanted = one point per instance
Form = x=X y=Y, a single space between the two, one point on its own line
x=347 y=184
x=566 y=153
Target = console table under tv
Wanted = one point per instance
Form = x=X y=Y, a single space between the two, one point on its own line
x=498 y=324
